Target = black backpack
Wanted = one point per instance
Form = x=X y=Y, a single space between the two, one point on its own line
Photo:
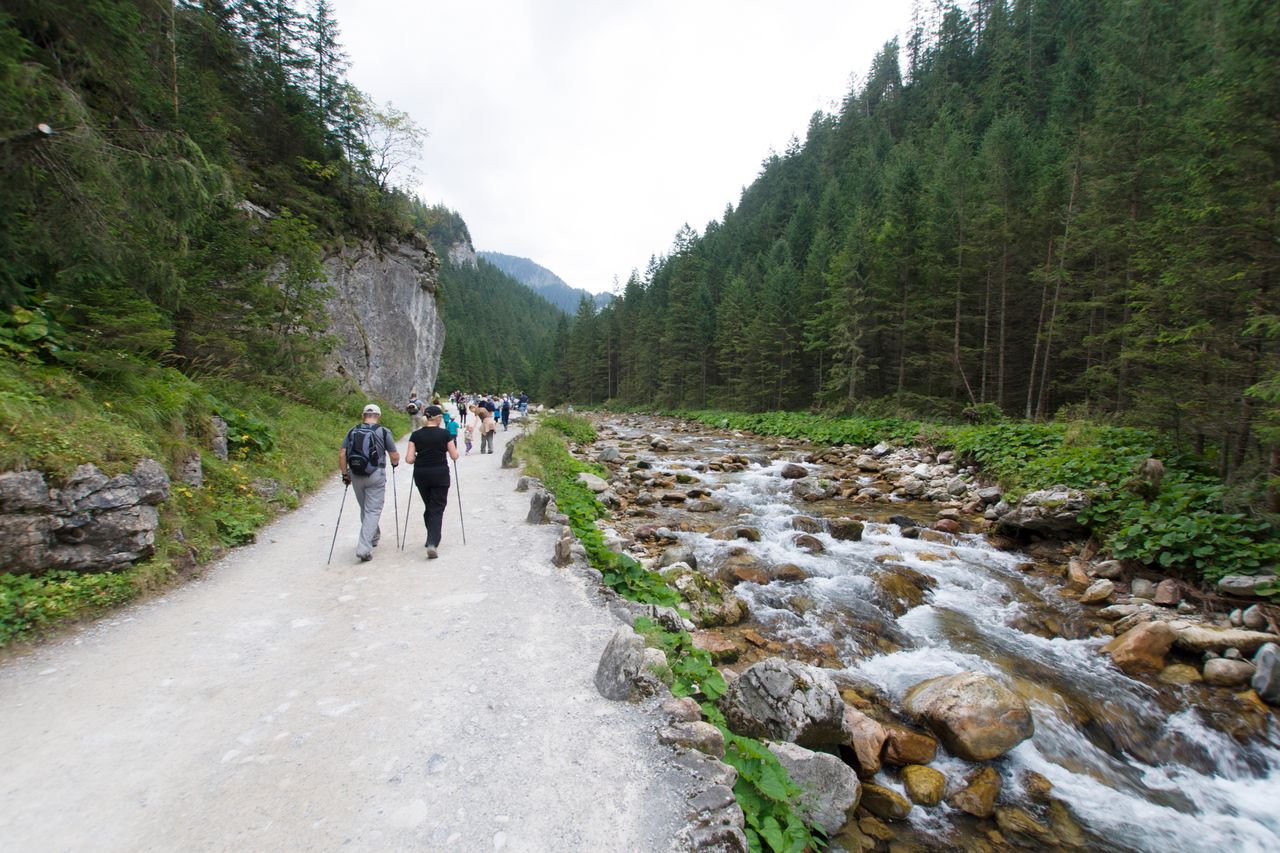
x=364 y=456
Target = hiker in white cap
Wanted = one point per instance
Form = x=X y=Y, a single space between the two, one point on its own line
x=362 y=460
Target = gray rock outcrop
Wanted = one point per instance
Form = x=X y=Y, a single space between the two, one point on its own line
x=384 y=313
x=1055 y=510
x=778 y=699
x=829 y=788
x=93 y=523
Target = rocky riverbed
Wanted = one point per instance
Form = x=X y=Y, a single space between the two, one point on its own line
x=990 y=682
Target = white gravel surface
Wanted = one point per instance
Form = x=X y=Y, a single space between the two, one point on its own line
x=399 y=704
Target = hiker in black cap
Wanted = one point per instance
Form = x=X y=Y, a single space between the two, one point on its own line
x=430 y=450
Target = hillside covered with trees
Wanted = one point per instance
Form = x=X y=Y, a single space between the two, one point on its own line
x=1030 y=208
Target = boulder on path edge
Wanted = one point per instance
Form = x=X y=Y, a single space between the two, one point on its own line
x=778 y=699
x=830 y=790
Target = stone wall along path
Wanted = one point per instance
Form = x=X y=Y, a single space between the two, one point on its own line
x=276 y=704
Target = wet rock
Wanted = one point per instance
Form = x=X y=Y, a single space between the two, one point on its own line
x=957 y=487
x=924 y=785
x=792 y=471
x=1266 y=680
x=1142 y=588
x=703 y=737
x=1253 y=618
x=673 y=497
x=1056 y=510
x=830 y=790
x=646 y=499
x=682 y=710
x=903 y=747
x=1024 y=830
x=1099 y=590
x=710 y=604
x=1180 y=674
x=1064 y=826
x=977 y=717
x=866 y=739
x=721 y=648
x=866 y=463
x=896 y=591
x=807 y=542
x=936 y=536
x=885 y=803
x=1141 y=648
x=702 y=505
x=1244 y=586
x=676 y=554
x=779 y=699
x=743 y=568
x=990 y=495
x=1118 y=611
x=902 y=521
x=1168 y=593
x=621 y=669
x=805 y=524
x=1203 y=638
x=845 y=529
x=609 y=454
x=787 y=572
x=978 y=796
x=1037 y=785
x=1223 y=672
x=948 y=525
x=1078 y=573
x=728 y=534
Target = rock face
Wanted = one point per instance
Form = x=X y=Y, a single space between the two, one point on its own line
x=93 y=523
x=1053 y=510
x=977 y=717
x=830 y=789
x=384 y=314
x=778 y=699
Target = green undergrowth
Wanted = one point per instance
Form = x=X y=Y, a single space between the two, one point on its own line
x=768 y=797
x=547 y=457
x=1189 y=527
x=282 y=443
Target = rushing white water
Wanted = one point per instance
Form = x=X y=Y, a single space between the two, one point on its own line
x=1137 y=772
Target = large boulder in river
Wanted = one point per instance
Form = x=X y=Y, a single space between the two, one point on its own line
x=792 y=471
x=1141 y=648
x=1056 y=510
x=1266 y=680
x=830 y=790
x=778 y=699
x=977 y=717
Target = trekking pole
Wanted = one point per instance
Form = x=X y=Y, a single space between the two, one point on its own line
x=341 y=506
x=395 y=502
x=407 y=504
x=458 y=482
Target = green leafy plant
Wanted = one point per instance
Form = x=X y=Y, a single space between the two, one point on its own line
x=246 y=434
x=573 y=427
x=32 y=332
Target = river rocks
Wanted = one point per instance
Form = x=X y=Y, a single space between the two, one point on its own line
x=1253 y=618
x=1023 y=830
x=977 y=717
x=1141 y=648
x=1168 y=593
x=903 y=747
x=978 y=796
x=1142 y=588
x=1266 y=680
x=1180 y=674
x=93 y=523
x=845 y=529
x=1112 y=570
x=1223 y=672
x=715 y=821
x=778 y=699
x=866 y=739
x=792 y=471
x=885 y=803
x=620 y=674
x=787 y=572
x=1244 y=586
x=830 y=790
x=924 y=785
x=609 y=454
x=805 y=524
x=896 y=591
x=1099 y=590
x=1078 y=573
x=702 y=505
x=677 y=554
x=710 y=604
x=728 y=534
x=721 y=649
x=810 y=543
x=1054 y=510
x=682 y=710
x=1203 y=638
x=947 y=525
x=592 y=482
x=703 y=737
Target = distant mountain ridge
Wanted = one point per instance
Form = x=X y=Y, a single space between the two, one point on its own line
x=546 y=283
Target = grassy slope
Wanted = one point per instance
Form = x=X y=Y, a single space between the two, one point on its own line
x=54 y=419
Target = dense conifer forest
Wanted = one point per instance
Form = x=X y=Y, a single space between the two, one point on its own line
x=1028 y=209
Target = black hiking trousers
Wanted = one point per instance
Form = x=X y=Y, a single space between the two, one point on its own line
x=433 y=484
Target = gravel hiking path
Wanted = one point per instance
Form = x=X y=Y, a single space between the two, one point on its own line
x=399 y=704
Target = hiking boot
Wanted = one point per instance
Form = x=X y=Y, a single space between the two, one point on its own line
x=364 y=558
x=431 y=552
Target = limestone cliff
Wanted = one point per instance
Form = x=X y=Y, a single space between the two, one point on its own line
x=385 y=316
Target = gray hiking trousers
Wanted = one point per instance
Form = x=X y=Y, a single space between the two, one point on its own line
x=371 y=493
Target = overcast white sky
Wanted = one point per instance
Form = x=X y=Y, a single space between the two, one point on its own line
x=584 y=134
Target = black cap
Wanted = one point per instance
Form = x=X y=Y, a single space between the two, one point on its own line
x=433 y=411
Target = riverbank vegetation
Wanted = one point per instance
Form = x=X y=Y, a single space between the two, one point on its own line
x=1028 y=208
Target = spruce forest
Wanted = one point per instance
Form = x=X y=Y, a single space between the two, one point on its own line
x=1030 y=209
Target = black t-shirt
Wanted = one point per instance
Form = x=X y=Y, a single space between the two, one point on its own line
x=431 y=446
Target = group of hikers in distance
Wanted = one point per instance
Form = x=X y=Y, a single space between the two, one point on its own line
x=369 y=446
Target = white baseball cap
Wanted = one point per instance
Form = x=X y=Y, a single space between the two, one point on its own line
x=372 y=409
